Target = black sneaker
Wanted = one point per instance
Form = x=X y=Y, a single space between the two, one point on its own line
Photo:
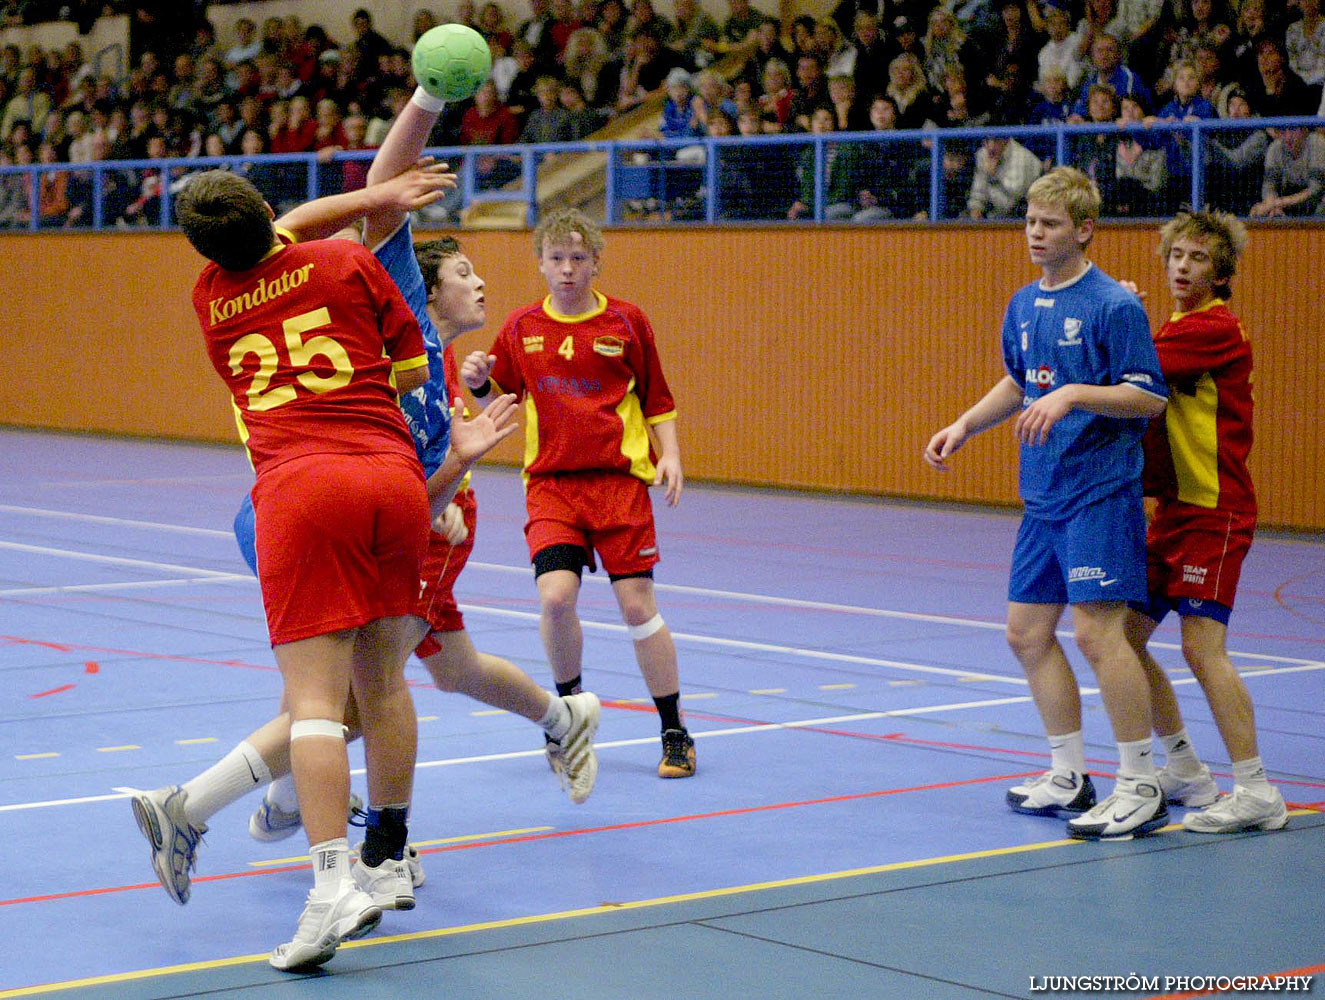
x=678 y=759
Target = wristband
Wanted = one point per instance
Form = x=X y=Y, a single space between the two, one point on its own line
x=427 y=102
x=482 y=390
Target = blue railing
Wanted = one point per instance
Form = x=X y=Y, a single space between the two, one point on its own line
x=700 y=180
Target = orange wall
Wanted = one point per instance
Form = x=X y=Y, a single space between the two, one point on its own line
x=801 y=358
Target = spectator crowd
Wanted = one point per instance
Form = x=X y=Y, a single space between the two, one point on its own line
x=563 y=68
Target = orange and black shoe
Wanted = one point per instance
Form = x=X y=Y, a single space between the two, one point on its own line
x=678 y=759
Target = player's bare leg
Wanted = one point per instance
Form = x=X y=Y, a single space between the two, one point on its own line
x=655 y=652
x=559 y=624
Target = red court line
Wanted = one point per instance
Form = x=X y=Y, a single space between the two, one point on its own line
x=554 y=835
x=61 y=688
x=139 y=654
x=1308 y=971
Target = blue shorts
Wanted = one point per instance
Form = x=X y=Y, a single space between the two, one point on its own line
x=1157 y=606
x=246 y=533
x=1098 y=554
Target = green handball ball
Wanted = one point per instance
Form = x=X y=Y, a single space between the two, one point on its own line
x=451 y=61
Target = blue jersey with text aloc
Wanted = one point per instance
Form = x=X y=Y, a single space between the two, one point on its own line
x=1090 y=331
x=428 y=408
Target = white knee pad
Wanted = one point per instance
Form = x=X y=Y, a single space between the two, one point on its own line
x=638 y=632
x=317 y=727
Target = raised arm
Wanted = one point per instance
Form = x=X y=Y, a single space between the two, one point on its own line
x=403 y=145
x=413 y=188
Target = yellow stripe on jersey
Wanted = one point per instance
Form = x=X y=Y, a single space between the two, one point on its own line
x=530 y=431
x=409 y=364
x=1194 y=442
x=634 y=435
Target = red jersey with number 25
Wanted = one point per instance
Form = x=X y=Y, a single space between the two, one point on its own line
x=1196 y=451
x=307 y=341
x=592 y=385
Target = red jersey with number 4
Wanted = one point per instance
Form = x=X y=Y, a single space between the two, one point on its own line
x=307 y=341
x=592 y=385
x=1196 y=451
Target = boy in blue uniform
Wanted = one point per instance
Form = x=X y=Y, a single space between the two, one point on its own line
x=1083 y=379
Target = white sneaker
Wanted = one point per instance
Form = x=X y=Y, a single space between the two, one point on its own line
x=1135 y=808
x=1054 y=793
x=1243 y=810
x=1193 y=790
x=390 y=883
x=270 y=822
x=174 y=840
x=573 y=758
x=417 y=875
x=324 y=924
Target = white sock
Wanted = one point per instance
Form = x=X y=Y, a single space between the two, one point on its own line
x=1068 y=752
x=1136 y=758
x=281 y=794
x=1250 y=774
x=235 y=774
x=556 y=720
x=1179 y=754
x=331 y=864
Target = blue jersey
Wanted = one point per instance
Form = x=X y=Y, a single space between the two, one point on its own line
x=428 y=408
x=1091 y=331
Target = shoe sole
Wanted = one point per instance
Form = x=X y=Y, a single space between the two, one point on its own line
x=360 y=925
x=1193 y=801
x=1155 y=822
x=145 y=814
x=1266 y=825
x=1053 y=812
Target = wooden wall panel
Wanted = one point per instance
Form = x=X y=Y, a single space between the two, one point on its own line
x=800 y=358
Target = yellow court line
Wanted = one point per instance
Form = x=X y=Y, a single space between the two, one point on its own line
x=590 y=911
x=193 y=742
x=489 y=711
x=35 y=756
x=127 y=746
x=698 y=694
x=769 y=691
x=836 y=687
x=419 y=843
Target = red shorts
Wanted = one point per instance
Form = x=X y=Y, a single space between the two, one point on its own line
x=340 y=539
x=1196 y=552
x=441 y=567
x=606 y=512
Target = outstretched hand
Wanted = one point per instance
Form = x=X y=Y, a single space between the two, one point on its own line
x=420 y=185
x=472 y=439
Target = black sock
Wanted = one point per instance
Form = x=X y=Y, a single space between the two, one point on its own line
x=571 y=686
x=669 y=710
x=384 y=836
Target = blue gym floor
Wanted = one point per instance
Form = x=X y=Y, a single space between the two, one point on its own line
x=857 y=714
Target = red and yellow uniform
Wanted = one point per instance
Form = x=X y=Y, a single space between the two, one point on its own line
x=592 y=384
x=1196 y=457
x=443 y=562
x=307 y=341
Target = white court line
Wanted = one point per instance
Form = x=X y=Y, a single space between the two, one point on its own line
x=123 y=792
x=64 y=515
x=136 y=585
x=216 y=576
x=44 y=550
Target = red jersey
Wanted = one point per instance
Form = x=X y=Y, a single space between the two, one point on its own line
x=306 y=341
x=1196 y=451
x=591 y=384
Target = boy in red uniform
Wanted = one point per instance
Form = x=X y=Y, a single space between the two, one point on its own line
x=588 y=371
x=310 y=339
x=1196 y=467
